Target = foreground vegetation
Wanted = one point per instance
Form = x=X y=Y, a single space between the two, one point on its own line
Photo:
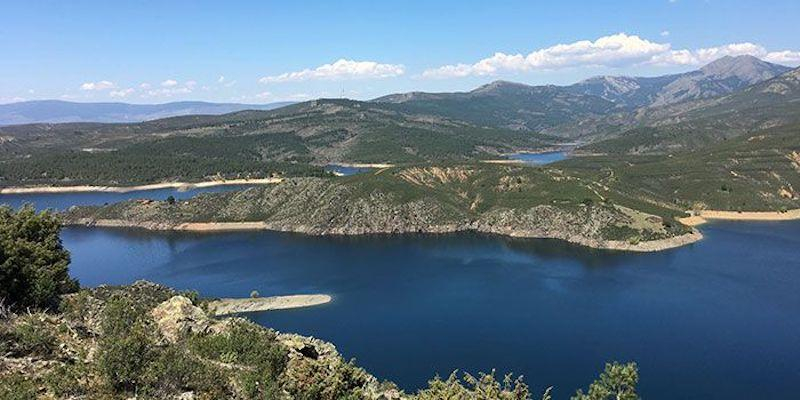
x=148 y=341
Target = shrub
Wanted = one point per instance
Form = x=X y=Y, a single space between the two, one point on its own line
x=17 y=387
x=126 y=345
x=617 y=382
x=174 y=371
x=315 y=381
x=68 y=380
x=485 y=386
x=33 y=336
x=33 y=262
x=248 y=345
x=254 y=294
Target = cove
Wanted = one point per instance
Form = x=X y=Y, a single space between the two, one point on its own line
x=716 y=319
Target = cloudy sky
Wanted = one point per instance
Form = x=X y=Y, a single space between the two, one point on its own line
x=265 y=51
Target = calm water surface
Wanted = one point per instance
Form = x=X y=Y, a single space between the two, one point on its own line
x=540 y=158
x=716 y=320
x=63 y=201
x=346 y=170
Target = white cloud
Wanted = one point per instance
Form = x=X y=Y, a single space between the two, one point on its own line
x=169 y=83
x=613 y=50
x=665 y=33
x=340 y=70
x=190 y=84
x=618 y=50
x=145 y=85
x=709 y=54
x=787 y=57
x=221 y=79
x=121 y=92
x=264 y=95
x=100 y=85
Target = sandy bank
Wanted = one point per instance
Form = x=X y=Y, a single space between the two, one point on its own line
x=648 y=246
x=503 y=161
x=702 y=217
x=126 y=189
x=364 y=165
x=237 y=306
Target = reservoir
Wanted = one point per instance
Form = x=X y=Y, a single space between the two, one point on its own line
x=717 y=319
x=540 y=158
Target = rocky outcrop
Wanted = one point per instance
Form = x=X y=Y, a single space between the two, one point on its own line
x=513 y=201
x=177 y=318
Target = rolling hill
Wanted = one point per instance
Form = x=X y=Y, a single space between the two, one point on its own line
x=56 y=111
x=245 y=143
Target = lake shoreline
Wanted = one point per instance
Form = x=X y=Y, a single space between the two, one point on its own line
x=702 y=217
x=127 y=189
x=207 y=227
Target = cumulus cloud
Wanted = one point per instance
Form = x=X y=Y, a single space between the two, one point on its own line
x=100 y=85
x=709 y=54
x=121 y=92
x=787 y=57
x=340 y=70
x=610 y=50
x=169 y=83
x=665 y=33
x=618 y=50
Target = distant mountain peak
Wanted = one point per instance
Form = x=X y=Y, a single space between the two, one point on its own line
x=749 y=68
x=500 y=85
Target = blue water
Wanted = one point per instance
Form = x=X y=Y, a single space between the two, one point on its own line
x=540 y=158
x=63 y=201
x=345 y=170
x=719 y=319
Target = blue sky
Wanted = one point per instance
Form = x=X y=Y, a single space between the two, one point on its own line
x=264 y=51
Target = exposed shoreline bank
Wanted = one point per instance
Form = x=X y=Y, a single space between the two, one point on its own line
x=647 y=246
x=364 y=165
x=703 y=217
x=247 y=305
x=127 y=189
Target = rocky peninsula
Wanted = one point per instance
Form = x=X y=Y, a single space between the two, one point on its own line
x=506 y=200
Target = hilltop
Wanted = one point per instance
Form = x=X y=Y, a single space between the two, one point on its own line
x=58 y=111
x=283 y=142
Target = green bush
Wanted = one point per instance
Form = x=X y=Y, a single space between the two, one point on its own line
x=68 y=380
x=17 y=387
x=617 y=382
x=33 y=262
x=126 y=347
x=33 y=336
x=173 y=371
x=485 y=386
x=249 y=345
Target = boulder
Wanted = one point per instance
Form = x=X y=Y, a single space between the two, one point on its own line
x=178 y=317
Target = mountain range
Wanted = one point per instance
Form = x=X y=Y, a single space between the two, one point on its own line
x=553 y=109
x=56 y=111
